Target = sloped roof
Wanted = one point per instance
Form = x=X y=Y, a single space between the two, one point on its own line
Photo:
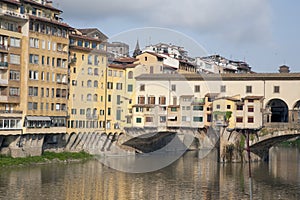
x=90 y=31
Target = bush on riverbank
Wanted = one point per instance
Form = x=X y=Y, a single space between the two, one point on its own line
x=294 y=143
x=47 y=157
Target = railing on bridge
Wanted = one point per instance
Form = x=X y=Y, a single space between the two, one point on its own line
x=283 y=126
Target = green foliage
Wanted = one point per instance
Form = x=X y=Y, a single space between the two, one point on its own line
x=228 y=115
x=242 y=142
x=46 y=157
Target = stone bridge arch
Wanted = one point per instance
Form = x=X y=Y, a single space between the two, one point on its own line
x=279 y=111
x=261 y=145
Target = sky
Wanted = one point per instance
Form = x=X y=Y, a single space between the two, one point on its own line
x=264 y=33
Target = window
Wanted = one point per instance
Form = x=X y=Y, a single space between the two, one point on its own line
x=109 y=98
x=151 y=100
x=95 y=84
x=34 y=59
x=43 y=44
x=142 y=87
x=119 y=86
x=86 y=44
x=129 y=88
x=162 y=119
x=34 y=42
x=186 y=119
x=15 y=42
x=198 y=119
x=173 y=109
x=82 y=111
x=89 y=83
x=223 y=88
x=15 y=59
x=174 y=100
x=118 y=99
x=96 y=72
x=162 y=100
x=33 y=75
x=218 y=106
x=118 y=117
x=33 y=91
x=173 y=88
x=198 y=108
x=73 y=111
x=276 y=89
x=90 y=71
x=141 y=100
x=49 y=45
x=151 y=70
x=89 y=97
x=90 y=59
x=248 y=89
x=14 y=91
x=138 y=120
x=197 y=88
x=149 y=119
x=32 y=106
x=109 y=85
x=250 y=119
x=239 y=119
x=228 y=107
x=146 y=58
x=14 y=75
x=108 y=111
x=250 y=109
x=239 y=107
x=130 y=75
x=95 y=98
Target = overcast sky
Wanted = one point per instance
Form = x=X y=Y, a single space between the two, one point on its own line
x=264 y=33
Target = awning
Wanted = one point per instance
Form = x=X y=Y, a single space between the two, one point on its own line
x=38 y=118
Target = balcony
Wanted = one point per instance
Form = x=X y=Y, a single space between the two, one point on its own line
x=198 y=101
x=11 y=14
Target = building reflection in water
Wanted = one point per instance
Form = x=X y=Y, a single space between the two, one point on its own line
x=187 y=178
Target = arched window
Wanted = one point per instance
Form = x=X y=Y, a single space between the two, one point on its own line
x=89 y=97
x=89 y=83
x=95 y=84
x=95 y=97
x=90 y=71
x=88 y=112
x=95 y=112
x=130 y=75
x=96 y=72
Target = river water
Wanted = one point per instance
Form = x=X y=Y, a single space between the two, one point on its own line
x=187 y=178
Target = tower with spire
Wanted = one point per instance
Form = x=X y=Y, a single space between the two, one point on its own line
x=137 y=50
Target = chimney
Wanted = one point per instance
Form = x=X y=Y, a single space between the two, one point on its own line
x=284 y=69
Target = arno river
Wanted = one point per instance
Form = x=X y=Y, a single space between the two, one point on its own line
x=187 y=178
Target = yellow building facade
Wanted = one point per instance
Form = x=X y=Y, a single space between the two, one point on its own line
x=87 y=81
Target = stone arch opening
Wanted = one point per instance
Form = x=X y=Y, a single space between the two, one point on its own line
x=295 y=115
x=279 y=111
